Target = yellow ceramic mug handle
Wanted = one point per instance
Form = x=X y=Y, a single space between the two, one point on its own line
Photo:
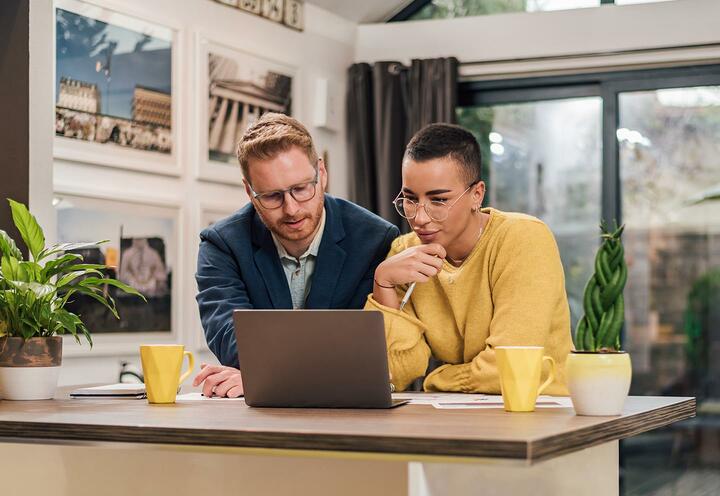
x=191 y=365
x=551 y=376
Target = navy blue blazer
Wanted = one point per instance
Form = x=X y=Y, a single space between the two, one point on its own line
x=239 y=267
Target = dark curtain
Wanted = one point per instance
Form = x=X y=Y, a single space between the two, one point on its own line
x=386 y=104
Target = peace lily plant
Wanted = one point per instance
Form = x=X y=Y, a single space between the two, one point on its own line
x=599 y=372
x=33 y=298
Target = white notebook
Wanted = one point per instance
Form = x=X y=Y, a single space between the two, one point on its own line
x=120 y=390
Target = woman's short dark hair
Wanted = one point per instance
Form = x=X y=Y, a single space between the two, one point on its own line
x=447 y=140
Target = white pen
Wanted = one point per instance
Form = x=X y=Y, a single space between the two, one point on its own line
x=407 y=295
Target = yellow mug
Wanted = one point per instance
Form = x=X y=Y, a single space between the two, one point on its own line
x=520 y=369
x=161 y=367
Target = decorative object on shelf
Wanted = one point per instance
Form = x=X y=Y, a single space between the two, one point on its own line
x=238 y=88
x=141 y=252
x=34 y=299
x=599 y=372
x=289 y=13
x=114 y=87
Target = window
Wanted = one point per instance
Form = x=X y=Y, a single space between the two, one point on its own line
x=641 y=147
x=448 y=9
x=544 y=158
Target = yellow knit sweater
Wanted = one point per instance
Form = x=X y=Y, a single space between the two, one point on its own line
x=510 y=291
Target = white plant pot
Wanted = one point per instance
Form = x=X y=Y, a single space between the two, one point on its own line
x=29 y=368
x=599 y=383
x=28 y=383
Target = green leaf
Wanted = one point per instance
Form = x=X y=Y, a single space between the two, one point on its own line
x=70 y=277
x=10 y=268
x=30 y=270
x=71 y=246
x=53 y=267
x=67 y=322
x=8 y=246
x=40 y=290
x=29 y=228
x=106 y=301
x=96 y=282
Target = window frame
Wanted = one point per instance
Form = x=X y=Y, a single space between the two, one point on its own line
x=607 y=85
x=416 y=6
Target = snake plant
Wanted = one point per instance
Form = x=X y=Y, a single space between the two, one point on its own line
x=603 y=302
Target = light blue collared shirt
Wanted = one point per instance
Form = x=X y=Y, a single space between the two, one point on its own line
x=299 y=271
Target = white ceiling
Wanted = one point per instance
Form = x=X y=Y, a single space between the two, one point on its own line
x=362 y=11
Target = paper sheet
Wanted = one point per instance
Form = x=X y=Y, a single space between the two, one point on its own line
x=497 y=402
x=200 y=397
x=430 y=398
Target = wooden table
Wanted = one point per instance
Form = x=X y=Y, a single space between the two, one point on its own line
x=93 y=446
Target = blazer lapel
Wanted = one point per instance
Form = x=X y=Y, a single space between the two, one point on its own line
x=330 y=260
x=268 y=263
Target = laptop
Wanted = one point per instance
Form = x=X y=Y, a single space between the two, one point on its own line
x=313 y=358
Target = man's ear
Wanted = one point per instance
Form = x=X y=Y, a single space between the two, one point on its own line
x=248 y=191
x=322 y=172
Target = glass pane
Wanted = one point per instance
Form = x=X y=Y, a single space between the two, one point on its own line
x=670 y=171
x=446 y=9
x=544 y=159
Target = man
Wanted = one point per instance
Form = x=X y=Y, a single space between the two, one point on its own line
x=292 y=246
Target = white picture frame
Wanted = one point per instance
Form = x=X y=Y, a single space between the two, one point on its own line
x=206 y=214
x=111 y=154
x=227 y=171
x=117 y=343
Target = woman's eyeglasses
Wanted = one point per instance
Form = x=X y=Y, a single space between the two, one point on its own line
x=437 y=210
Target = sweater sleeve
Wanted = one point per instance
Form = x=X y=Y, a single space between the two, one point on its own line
x=527 y=284
x=408 y=352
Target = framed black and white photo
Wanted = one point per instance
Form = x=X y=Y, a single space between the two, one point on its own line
x=142 y=251
x=236 y=88
x=116 y=89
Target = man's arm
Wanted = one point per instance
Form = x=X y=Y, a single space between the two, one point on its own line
x=221 y=290
x=365 y=286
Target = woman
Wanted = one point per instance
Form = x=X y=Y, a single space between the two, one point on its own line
x=484 y=278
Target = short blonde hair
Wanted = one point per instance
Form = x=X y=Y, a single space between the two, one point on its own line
x=272 y=134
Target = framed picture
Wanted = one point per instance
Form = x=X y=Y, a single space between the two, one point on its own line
x=142 y=250
x=116 y=87
x=235 y=89
x=206 y=215
x=209 y=215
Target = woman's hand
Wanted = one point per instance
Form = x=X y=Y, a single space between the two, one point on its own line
x=416 y=264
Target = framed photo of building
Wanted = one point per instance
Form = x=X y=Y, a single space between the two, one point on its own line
x=235 y=89
x=116 y=81
x=142 y=250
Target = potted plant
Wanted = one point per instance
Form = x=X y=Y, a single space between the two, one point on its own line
x=598 y=371
x=33 y=297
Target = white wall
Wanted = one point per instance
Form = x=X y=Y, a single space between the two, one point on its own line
x=323 y=50
x=499 y=46
x=505 y=44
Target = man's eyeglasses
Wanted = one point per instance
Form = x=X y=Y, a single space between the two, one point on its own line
x=436 y=210
x=300 y=192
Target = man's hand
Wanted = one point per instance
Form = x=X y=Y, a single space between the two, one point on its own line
x=220 y=381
